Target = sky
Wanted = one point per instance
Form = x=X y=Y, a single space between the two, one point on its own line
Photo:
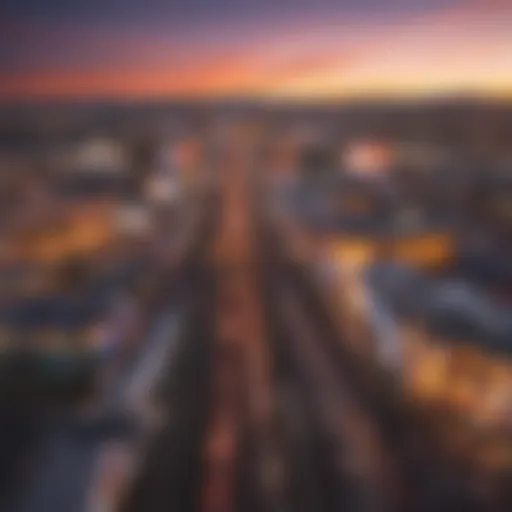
x=302 y=49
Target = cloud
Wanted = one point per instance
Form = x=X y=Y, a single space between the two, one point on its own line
x=461 y=46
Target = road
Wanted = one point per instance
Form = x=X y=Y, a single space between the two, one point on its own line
x=250 y=398
x=271 y=411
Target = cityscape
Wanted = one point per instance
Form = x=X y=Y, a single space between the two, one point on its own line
x=248 y=307
x=256 y=257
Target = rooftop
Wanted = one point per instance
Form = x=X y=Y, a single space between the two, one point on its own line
x=451 y=309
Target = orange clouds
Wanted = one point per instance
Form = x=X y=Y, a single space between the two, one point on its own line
x=467 y=48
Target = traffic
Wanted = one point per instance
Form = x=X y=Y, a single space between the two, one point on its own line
x=229 y=309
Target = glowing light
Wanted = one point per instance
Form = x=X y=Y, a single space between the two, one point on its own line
x=368 y=158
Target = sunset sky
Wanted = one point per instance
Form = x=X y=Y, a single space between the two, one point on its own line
x=265 y=48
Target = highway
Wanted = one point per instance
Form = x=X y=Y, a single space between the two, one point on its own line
x=244 y=396
x=268 y=410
